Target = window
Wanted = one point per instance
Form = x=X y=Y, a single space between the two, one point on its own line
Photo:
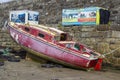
x=41 y=35
x=68 y=45
x=63 y=37
x=27 y=29
x=77 y=46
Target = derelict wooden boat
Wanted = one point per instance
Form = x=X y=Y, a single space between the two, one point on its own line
x=54 y=45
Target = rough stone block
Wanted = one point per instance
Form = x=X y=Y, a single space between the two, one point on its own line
x=97 y=34
x=90 y=28
x=103 y=47
x=115 y=34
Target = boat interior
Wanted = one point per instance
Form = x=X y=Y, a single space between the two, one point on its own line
x=79 y=48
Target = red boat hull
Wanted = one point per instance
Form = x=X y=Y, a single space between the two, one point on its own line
x=51 y=51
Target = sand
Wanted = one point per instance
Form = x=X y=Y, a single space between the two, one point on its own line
x=29 y=70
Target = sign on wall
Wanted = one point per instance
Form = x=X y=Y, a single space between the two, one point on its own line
x=85 y=16
x=24 y=16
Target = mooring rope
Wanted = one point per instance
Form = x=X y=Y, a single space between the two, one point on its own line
x=110 y=52
x=113 y=57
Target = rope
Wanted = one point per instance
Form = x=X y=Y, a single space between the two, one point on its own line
x=111 y=52
x=111 y=60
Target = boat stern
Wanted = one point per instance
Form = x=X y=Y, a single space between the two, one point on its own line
x=98 y=65
x=95 y=64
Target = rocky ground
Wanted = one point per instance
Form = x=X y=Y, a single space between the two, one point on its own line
x=29 y=70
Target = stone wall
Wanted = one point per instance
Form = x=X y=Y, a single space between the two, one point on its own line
x=7 y=41
x=50 y=10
